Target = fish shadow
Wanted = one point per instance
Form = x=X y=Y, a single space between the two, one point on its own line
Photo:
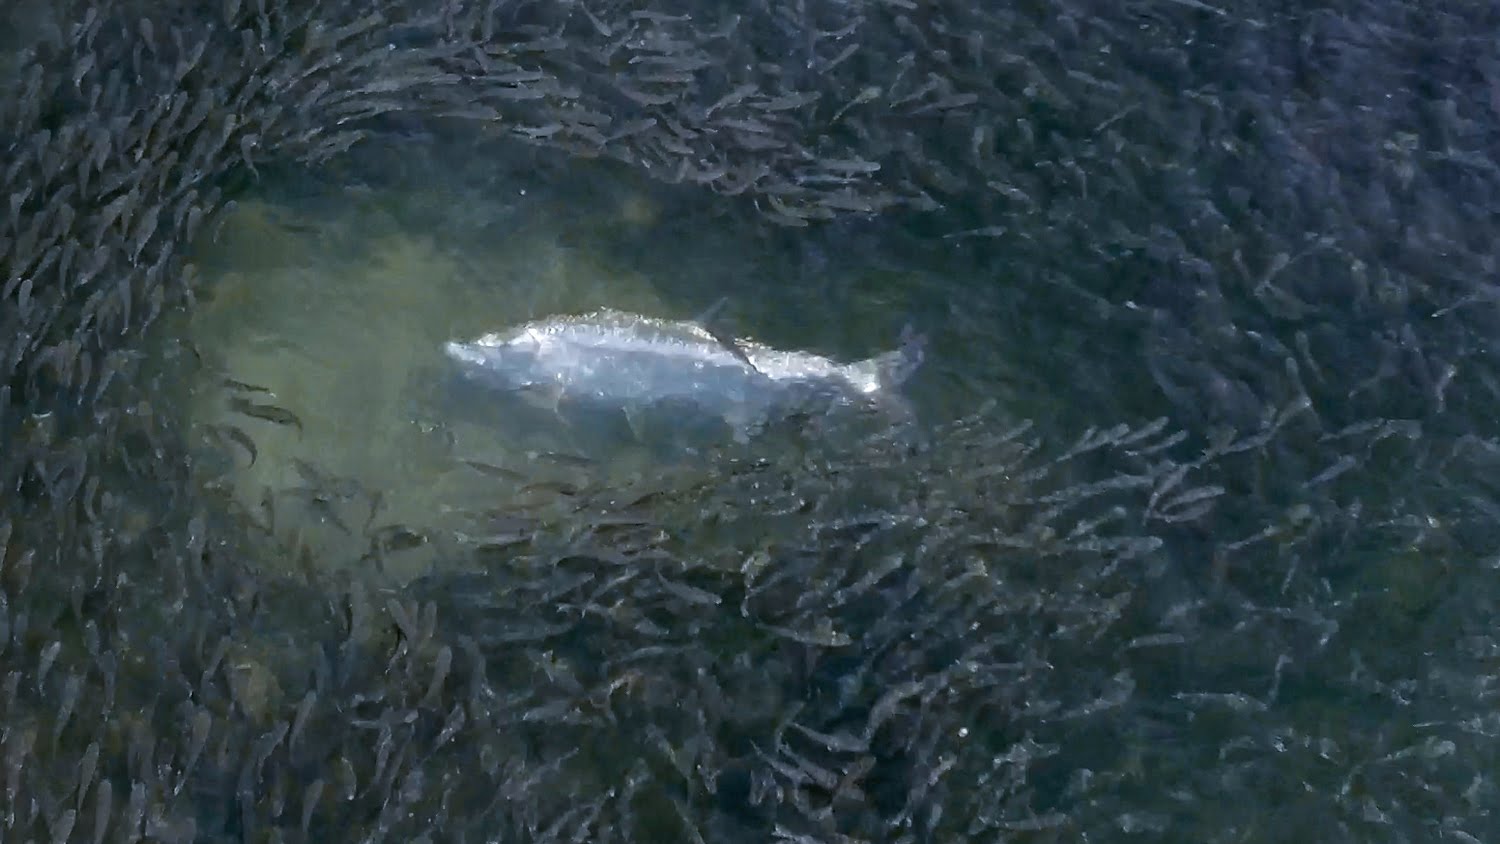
x=668 y=430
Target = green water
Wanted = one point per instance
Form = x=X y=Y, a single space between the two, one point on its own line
x=333 y=302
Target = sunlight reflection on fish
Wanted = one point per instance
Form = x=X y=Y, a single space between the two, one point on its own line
x=635 y=363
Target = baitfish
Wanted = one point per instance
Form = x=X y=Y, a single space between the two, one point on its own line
x=613 y=358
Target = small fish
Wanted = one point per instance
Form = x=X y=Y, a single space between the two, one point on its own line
x=103 y=802
x=346 y=780
x=686 y=64
x=62 y=827
x=754 y=127
x=757 y=143
x=268 y=412
x=198 y=739
x=398 y=538
x=789 y=101
x=784 y=214
x=851 y=201
x=299 y=721
x=495 y=541
x=690 y=594
x=310 y=797
x=495 y=471
x=87 y=767
x=643 y=98
x=561 y=459
x=635 y=127
x=730 y=99
x=848 y=166
x=49 y=655
x=657 y=17
x=865 y=95
x=839 y=742
x=562 y=488
x=451 y=726
x=824 y=636
x=538 y=132
x=948 y=103
x=237 y=436
x=135 y=810
x=66 y=704
x=986 y=231
x=442 y=664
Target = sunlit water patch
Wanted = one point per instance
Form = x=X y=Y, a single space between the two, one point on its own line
x=328 y=411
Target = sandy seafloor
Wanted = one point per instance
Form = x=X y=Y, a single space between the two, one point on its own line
x=332 y=301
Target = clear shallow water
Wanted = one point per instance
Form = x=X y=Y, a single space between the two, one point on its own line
x=340 y=318
x=327 y=304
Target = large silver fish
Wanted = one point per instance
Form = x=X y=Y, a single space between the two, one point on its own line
x=621 y=359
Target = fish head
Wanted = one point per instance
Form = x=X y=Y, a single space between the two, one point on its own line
x=510 y=364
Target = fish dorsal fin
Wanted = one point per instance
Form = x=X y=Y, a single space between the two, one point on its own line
x=712 y=311
x=706 y=321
